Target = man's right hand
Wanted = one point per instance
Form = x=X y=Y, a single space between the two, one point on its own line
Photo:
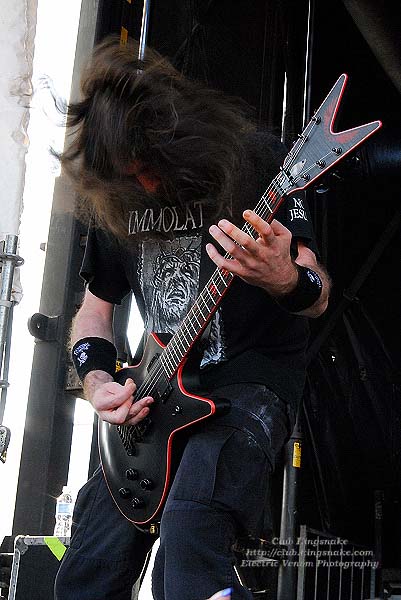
x=113 y=402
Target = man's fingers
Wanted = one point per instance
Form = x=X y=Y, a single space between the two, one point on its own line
x=279 y=229
x=112 y=395
x=215 y=255
x=128 y=413
x=227 y=243
x=265 y=231
x=240 y=244
x=137 y=418
x=116 y=416
x=139 y=405
x=129 y=383
x=223 y=263
x=242 y=238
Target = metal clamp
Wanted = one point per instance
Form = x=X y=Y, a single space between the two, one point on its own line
x=44 y=328
x=17 y=260
x=7 y=303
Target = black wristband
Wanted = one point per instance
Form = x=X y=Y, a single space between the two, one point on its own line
x=93 y=354
x=306 y=292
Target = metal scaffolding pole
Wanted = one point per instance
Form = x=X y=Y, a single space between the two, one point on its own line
x=287 y=575
x=144 y=29
x=9 y=260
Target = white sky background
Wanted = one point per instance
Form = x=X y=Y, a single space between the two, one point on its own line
x=56 y=32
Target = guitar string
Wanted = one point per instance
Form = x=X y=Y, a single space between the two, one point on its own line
x=155 y=374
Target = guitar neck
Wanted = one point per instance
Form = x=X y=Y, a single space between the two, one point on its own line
x=212 y=294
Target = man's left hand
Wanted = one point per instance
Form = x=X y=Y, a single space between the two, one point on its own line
x=265 y=262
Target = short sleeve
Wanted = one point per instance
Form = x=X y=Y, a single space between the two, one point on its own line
x=295 y=215
x=102 y=267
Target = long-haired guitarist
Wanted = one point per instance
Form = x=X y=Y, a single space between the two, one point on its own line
x=169 y=171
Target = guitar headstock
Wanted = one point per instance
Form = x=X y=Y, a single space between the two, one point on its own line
x=318 y=148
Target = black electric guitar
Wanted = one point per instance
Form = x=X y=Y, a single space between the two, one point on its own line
x=139 y=461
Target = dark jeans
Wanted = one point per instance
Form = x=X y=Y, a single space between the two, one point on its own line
x=219 y=493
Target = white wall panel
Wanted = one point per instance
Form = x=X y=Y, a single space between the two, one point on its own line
x=17 y=34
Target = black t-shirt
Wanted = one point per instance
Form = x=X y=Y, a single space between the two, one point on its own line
x=164 y=263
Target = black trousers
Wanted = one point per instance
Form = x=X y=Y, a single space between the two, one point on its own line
x=220 y=492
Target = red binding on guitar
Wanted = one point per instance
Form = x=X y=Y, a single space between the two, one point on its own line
x=138 y=461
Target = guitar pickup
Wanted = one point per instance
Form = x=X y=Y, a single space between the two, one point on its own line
x=165 y=395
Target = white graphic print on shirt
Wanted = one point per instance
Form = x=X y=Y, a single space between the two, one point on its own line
x=169 y=279
x=297 y=211
x=166 y=219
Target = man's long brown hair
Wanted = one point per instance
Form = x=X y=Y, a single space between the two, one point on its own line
x=186 y=135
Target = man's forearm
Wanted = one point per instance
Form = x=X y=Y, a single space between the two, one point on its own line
x=90 y=324
x=94 y=319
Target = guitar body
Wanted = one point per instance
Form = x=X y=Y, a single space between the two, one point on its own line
x=139 y=462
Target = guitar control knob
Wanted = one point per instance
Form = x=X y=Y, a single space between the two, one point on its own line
x=138 y=503
x=125 y=493
x=146 y=484
x=337 y=150
x=321 y=163
x=131 y=474
x=177 y=410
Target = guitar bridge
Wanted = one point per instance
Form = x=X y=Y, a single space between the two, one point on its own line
x=132 y=434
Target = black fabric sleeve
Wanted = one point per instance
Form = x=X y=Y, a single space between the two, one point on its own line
x=103 y=268
x=295 y=215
